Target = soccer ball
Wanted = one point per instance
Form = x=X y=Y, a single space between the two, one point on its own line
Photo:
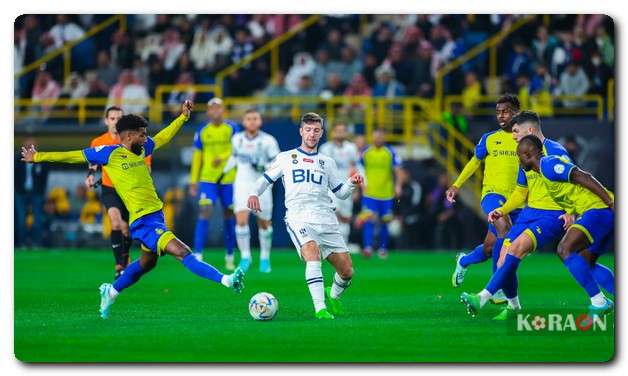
x=263 y=306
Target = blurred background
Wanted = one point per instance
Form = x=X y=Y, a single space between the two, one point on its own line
x=431 y=81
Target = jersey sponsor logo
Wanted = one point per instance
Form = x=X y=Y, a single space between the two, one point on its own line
x=294 y=158
x=126 y=166
x=504 y=153
x=559 y=168
x=306 y=176
x=308 y=160
x=321 y=162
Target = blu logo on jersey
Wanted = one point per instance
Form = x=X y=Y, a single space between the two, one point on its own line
x=301 y=175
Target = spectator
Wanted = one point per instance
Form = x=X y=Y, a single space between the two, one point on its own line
x=471 y=93
x=303 y=64
x=122 y=50
x=334 y=86
x=368 y=70
x=129 y=94
x=74 y=89
x=605 y=46
x=65 y=31
x=242 y=47
x=348 y=66
x=381 y=40
x=322 y=69
x=519 y=61
x=30 y=181
x=422 y=78
x=573 y=148
x=543 y=45
x=179 y=96
x=173 y=48
x=277 y=88
x=95 y=87
x=407 y=208
x=307 y=90
x=400 y=64
x=573 y=82
x=443 y=44
x=599 y=73
x=45 y=92
x=157 y=74
x=386 y=85
x=358 y=87
x=221 y=45
x=106 y=71
x=91 y=211
x=141 y=70
x=334 y=44
x=201 y=52
x=447 y=225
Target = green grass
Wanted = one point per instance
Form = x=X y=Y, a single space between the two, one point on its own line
x=403 y=310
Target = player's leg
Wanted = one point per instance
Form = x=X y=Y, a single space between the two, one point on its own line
x=182 y=252
x=243 y=238
x=118 y=241
x=599 y=224
x=208 y=193
x=479 y=254
x=305 y=238
x=385 y=215
x=344 y=209
x=265 y=230
x=341 y=281
x=226 y=199
x=603 y=275
x=368 y=216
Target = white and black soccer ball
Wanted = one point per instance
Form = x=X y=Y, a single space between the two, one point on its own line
x=263 y=306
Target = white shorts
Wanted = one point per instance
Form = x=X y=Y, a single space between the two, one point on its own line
x=241 y=194
x=344 y=208
x=327 y=237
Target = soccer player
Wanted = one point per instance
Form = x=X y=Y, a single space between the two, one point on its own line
x=541 y=220
x=253 y=150
x=498 y=151
x=310 y=218
x=346 y=156
x=120 y=238
x=126 y=166
x=212 y=149
x=381 y=164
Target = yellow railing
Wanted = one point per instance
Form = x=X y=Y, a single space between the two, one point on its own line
x=66 y=49
x=272 y=47
x=485 y=105
x=611 y=99
x=490 y=43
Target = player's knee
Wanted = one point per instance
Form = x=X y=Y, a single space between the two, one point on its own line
x=563 y=250
x=346 y=272
x=148 y=261
x=517 y=249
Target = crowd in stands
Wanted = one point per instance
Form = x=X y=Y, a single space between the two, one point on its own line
x=377 y=55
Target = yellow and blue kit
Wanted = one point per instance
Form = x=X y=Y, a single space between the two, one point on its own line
x=594 y=218
x=379 y=166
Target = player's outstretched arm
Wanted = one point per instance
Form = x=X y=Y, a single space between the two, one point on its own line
x=517 y=198
x=346 y=188
x=31 y=155
x=468 y=171
x=585 y=179
x=165 y=135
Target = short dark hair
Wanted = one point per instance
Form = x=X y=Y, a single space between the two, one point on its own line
x=511 y=99
x=527 y=116
x=310 y=118
x=251 y=110
x=112 y=108
x=131 y=122
x=532 y=140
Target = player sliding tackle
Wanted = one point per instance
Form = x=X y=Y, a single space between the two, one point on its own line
x=579 y=193
x=125 y=165
x=310 y=218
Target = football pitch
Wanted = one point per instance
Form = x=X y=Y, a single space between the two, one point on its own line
x=399 y=310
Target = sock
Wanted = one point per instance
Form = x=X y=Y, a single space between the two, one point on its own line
x=581 y=272
x=383 y=236
x=113 y=293
x=201 y=268
x=226 y=280
x=598 y=300
x=339 y=286
x=117 y=245
x=497 y=248
x=604 y=277
x=514 y=303
x=128 y=242
x=265 y=242
x=230 y=237
x=485 y=295
x=200 y=234
x=345 y=230
x=131 y=274
x=474 y=257
x=314 y=280
x=243 y=238
x=367 y=234
x=511 y=263
x=510 y=286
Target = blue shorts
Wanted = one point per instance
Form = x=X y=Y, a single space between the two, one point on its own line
x=492 y=201
x=598 y=225
x=381 y=208
x=542 y=226
x=208 y=193
x=151 y=231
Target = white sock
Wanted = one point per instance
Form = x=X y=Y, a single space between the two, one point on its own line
x=484 y=297
x=345 y=229
x=514 y=303
x=339 y=286
x=226 y=280
x=598 y=300
x=314 y=280
x=265 y=242
x=229 y=258
x=113 y=293
x=243 y=238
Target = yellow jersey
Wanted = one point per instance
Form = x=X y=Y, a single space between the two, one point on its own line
x=212 y=142
x=538 y=196
x=498 y=150
x=379 y=165
x=573 y=198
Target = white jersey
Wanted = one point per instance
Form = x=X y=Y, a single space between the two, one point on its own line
x=307 y=179
x=345 y=156
x=250 y=152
